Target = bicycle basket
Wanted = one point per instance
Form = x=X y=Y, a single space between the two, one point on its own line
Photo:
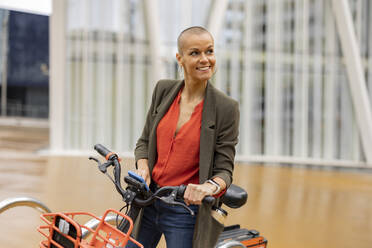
x=63 y=231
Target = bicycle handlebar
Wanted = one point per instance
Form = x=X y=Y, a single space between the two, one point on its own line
x=103 y=151
x=112 y=159
x=167 y=194
x=169 y=190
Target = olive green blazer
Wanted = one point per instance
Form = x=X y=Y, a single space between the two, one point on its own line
x=218 y=138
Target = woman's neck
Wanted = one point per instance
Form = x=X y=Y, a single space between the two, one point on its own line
x=194 y=91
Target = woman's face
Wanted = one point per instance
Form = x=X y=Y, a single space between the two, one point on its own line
x=197 y=58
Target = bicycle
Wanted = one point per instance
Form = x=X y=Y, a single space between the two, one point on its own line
x=62 y=230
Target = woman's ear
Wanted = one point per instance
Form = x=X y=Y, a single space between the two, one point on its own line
x=179 y=59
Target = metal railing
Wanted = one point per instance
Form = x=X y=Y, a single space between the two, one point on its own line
x=23 y=202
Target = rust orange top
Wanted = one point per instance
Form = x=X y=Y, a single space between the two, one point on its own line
x=178 y=155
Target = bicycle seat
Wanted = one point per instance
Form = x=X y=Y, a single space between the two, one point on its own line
x=235 y=196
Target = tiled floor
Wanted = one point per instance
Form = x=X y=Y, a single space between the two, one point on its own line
x=291 y=207
x=21 y=174
x=22 y=140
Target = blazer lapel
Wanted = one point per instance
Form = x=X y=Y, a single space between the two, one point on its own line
x=163 y=107
x=160 y=111
x=207 y=134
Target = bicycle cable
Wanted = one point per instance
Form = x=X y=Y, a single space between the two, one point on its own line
x=117 y=216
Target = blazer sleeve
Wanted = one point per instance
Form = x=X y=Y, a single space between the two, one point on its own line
x=226 y=140
x=141 y=150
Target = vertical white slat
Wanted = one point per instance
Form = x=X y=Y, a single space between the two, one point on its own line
x=70 y=47
x=86 y=93
x=305 y=81
x=365 y=25
x=215 y=24
x=269 y=72
x=108 y=60
x=370 y=53
x=288 y=16
x=329 y=115
x=217 y=17
x=349 y=142
x=156 y=52
x=140 y=50
x=345 y=122
x=67 y=72
x=76 y=92
x=258 y=68
x=356 y=143
x=123 y=88
x=101 y=128
x=91 y=91
x=297 y=79
x=355 y=72
x=369 y=49
x=317 y=65
x=248 y=96
x=76 y=82
x=273 y=76
x=59 y=75
x=106 y=76
x=300 y=136
x=358 y=22
x=218 y=72
x=222 y=72
x=346 y=119
x=96 y=94
x=139 y=90
x=66 y=92
x=278 y=89
x=173 y=71
x=235 y=59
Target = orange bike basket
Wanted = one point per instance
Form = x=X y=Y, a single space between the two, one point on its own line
x=106 y=235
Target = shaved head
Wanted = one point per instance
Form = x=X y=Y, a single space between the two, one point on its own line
x=188 y=31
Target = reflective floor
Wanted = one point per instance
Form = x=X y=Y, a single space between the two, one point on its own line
x=291 y=207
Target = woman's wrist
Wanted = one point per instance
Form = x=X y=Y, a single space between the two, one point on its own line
x=142 y=163
x=143 y=170
x=215 y=185
x=220 y=182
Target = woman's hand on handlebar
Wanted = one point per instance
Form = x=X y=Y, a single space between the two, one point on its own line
x=195 y=193
x=143 y=170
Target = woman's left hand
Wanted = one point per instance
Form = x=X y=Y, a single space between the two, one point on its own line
x=195 y=193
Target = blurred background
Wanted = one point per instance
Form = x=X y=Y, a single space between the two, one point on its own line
x=74 y=73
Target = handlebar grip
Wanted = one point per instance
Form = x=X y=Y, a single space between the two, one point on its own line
x=101 y=150
x=209 y=200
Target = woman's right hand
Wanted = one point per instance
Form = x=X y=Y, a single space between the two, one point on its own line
x=143 y=170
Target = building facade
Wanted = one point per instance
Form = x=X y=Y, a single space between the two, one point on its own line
x=24 y=64
x=285 y=61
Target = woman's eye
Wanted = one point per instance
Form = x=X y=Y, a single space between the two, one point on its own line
x=210 y=51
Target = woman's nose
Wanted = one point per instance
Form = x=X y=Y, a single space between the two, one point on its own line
x=203 y=58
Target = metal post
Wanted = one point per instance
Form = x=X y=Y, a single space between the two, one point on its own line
x=355 y=72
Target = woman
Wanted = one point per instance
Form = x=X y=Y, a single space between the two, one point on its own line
x=189 y=138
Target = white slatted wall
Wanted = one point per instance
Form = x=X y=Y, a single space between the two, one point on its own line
x=280 y=59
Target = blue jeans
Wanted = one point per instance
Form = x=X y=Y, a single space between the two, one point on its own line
x=175 y=222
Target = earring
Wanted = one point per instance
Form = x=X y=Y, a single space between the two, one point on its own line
x=180 y=71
